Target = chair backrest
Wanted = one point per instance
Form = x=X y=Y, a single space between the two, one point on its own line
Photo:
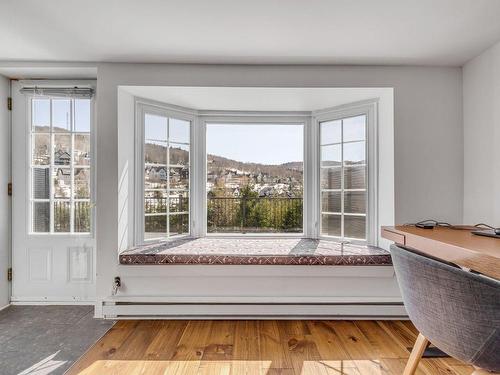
x=458 y=311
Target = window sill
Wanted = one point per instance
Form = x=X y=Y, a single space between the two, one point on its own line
x=255 y=251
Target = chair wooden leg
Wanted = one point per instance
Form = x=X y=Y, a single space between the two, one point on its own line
x=416 y=354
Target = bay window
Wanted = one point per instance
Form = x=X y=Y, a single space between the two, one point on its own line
x=222 y=173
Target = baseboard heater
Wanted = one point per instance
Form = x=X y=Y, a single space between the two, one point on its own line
x=242 y=310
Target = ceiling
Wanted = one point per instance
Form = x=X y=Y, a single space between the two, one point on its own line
x=257 y=98
x=392 y=32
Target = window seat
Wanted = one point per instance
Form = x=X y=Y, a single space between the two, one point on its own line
x=255 y=251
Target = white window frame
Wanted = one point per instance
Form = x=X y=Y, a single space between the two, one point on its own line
x=369 y=109
x=253 y=118
x=198 y=164
x=143 y=106
x=30 y=167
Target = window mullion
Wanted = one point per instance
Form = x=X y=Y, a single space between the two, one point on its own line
x=168 y=178
x=342 y=225
x=51 y=169
x=72 y=172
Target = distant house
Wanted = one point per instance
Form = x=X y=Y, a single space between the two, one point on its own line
x=62 y=157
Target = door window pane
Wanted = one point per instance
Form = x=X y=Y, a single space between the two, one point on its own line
x=81 y=151
x=40 y=115
x=82 y=183
x=82 y=115
x=61 y=115
x=82 y=217
x=65 y=190
x=62 y=216
x=355 y=202
x=41 y=183
x=41 y=217
x=40 y=152
x=62 y=149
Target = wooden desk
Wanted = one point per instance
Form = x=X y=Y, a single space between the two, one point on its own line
x=460 y=247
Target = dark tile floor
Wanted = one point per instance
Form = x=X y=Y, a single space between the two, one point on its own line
x=46 y=339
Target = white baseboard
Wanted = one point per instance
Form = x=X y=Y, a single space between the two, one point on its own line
x=139 y=310
x=3 y=308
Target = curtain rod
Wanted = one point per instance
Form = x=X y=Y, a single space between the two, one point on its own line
x=73 y=92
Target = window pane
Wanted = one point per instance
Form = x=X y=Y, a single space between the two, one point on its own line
x=41 y=115
x=179 y=178
x=331 y=202
x=62 y=147
x=355 y=177
x=41 y=183
x=331 y=178
x=178 y=130
x=354 y=153
x=331 y=155
x=179 y=201
x=155 y=203
x=155 y=152
x=61 y=115
x=155 y=128
x=179 y=154
x=254 y=178
x=62 y=216
x=355 y=202
x=82 y=115
x=40 y=149
x=81 y=152
x=155 y=226
x=354 y=128
x=155 y=178
x=330 y=225
x=41 y=217
x=331 y=132
x=82 y=217
x=178 y=224
x=82 y=183
x=62 y=182
x=355 y=227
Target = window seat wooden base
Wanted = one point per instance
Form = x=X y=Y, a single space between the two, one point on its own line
x=255 y=251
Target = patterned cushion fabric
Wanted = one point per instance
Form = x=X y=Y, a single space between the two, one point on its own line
x=457 y=310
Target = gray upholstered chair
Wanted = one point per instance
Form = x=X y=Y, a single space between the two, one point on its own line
x=456 y=310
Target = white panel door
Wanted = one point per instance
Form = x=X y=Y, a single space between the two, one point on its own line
x=53 y=247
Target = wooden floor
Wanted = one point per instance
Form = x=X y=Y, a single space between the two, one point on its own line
x=258 y=347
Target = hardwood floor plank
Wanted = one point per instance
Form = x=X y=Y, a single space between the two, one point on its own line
x=258 y=348
x=380 y=341
x=221 y=341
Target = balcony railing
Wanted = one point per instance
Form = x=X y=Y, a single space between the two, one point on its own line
x=254 y=215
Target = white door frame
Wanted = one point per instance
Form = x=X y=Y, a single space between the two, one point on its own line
x=47 y=268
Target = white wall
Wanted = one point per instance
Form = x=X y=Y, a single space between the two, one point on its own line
x=428 y=171
x=4 y=199
x=481 y=107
